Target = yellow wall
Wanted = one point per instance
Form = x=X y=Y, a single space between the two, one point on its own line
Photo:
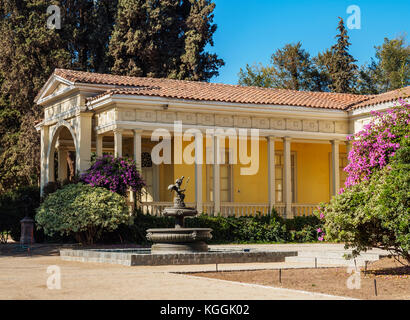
x=312 y=172
x=252 y=188
x=166 y=174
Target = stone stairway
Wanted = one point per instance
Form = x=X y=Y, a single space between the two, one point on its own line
x=335 y=257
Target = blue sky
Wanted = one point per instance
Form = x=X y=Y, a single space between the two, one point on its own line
x=251 y=30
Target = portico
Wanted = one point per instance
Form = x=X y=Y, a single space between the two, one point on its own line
x=301 y=143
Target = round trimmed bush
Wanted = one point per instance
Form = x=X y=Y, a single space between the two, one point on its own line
x=82 y=211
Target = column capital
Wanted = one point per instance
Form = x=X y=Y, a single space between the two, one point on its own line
x=118 y=130
x=287 y=138
x=137 y=131
x=83 y=112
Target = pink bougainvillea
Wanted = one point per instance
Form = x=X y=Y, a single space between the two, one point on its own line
x=115 y=174
x=373 y=147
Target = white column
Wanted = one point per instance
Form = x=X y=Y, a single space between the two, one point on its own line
x=50 y=166
x=216 y=177
x=287 y=179
x=44 y=142
x=99 y=145
x=271 y=172
x=198 y=171
x=137 y=149
x=117 y=143
x=83 y=133
x=62 y=164
x=335 y=167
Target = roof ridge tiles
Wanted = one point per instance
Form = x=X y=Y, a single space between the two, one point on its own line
x=206 y=91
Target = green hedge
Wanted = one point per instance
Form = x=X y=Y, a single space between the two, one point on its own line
x=258 y=229
x=13 y=206
x=225 y=230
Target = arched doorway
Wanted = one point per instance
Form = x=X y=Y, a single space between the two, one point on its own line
x=62 y=153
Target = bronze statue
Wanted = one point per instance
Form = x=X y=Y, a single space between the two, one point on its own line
x=179 y=239
x=180 y=193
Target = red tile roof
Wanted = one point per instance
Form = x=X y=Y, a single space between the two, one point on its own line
x=390 y=96
x=204 y=91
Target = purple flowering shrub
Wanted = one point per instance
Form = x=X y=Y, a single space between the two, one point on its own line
x=373 y=211
x=115 y=174
x=377 y=143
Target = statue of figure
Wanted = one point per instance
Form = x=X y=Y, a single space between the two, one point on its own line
x=180 y=193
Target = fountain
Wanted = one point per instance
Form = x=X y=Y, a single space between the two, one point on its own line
x=179 y=239
x=176 y=246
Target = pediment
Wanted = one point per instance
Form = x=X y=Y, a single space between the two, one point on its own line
x=54 y=87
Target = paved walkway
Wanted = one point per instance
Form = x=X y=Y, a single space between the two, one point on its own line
x=26 y=277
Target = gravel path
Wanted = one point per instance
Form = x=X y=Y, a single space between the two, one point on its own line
x=23 y=277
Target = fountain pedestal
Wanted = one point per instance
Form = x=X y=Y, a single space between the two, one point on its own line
x=179 y=239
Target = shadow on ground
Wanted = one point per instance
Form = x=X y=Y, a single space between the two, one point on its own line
x=397 y=271
x=16 y=250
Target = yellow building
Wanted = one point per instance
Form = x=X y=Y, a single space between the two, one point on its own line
x=294 y=161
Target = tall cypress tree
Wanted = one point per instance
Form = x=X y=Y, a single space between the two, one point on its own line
x=86 y=29
x=164 y=38
x=341 y=65
x=29 y=52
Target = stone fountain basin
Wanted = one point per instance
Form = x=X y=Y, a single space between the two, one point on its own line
x=179 y=239
x=144 y=257
x=179 y=235
x=180 y=211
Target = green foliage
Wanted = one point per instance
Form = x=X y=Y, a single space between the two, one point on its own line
x=258 y=229
x=389 y=70
x=82 y=211
x=14 y=206
x=291 y=68
x=164 y=39
x=303 y=229
x=136 y=230
x=171 y=44
x=340 y=64
x=242 y=229
x=29 y=52
x=87 y=26
x=403 y=154
x=373 y=214
x=393 y=58
x=374 y=209
x=257 y=75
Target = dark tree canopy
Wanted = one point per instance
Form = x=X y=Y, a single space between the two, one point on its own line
x=170 y=43
x=86 y=29
x=340 y=64
x=29 y=52
x=164 y=38
x=291 y=68
x=389 y=70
